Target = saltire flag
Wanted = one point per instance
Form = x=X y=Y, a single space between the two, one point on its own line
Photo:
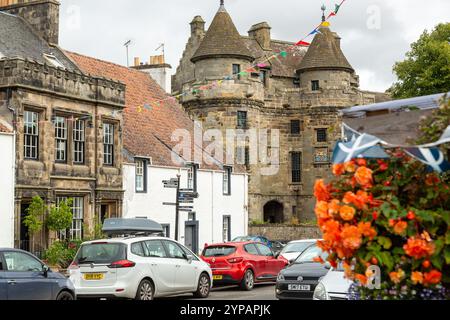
x=433 y=157
x=303 y=43
x=346 y=151
x=315 y=31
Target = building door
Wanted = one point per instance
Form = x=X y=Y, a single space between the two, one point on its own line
x=191 y=235
x=24 y=243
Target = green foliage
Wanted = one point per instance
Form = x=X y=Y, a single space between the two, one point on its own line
x=61 y=216
x=62 y=253
x=426 y=69
x=35 y=213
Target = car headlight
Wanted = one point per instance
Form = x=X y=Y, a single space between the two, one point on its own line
x=320 y=293
x=280 y=277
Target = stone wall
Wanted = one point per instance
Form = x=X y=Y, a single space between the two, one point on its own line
x=285 y=232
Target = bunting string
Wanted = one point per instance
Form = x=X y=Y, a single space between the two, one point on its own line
x=252 y=69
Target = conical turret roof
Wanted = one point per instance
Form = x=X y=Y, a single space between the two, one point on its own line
x=222 y=40
x=325 y=53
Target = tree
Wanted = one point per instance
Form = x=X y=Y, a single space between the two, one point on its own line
x=426 y=69
x=34 y=219
x=60 y=217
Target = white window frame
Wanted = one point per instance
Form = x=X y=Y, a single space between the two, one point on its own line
x=108 y=144
x=79 y=141
x=76 y=230
x=140 y=175
x=226 y=185
x=61 y=145
x=31 y=134
x=226 y=229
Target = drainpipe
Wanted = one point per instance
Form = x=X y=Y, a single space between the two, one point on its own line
x=212 y=206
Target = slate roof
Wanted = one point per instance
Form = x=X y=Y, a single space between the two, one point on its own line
x=146 y=133
x=222 y=40
x=18 y=39
x=325 y=53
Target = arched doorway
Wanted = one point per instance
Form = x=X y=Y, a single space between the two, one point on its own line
x=273 y=212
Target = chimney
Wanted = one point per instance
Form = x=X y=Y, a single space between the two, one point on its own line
x=158 y=70
x=42 y=15
x=198 y=26
x=261 y=33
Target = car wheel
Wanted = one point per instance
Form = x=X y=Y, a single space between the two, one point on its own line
x=65 y=295
x=145 y=291
x=204 y=287
x=248 y=282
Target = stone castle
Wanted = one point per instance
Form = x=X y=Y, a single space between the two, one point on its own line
x=300 y=95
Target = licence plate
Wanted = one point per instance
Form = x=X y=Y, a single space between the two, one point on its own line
x=217 y=277
x=297 y=287
x=94 y=276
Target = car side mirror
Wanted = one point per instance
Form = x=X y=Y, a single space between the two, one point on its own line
x=189 y=258
x=327 y=265
x=45 y=270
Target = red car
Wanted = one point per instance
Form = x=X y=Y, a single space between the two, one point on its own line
x=243 y=263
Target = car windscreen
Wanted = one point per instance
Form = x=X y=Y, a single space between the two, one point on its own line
x=309 y=254
x=296 y=247
x=219 y=251
x=101 y=253
x=242 y=239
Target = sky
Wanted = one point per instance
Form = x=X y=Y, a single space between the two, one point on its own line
x=375 y=33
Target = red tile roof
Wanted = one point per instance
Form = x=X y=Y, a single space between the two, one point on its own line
x=146 y=133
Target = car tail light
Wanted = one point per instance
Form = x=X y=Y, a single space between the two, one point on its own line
x=122 y=264
x=235 y=260
x=74 y=266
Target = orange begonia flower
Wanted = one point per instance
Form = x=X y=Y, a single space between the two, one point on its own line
x=347 y=213
x=400 y=227
x=419 y=248
x=334 y=206
x=364 y=177
x=432 y=277
x=360 y=199
x=365 y=228
x=351 y=237
x=321 y=191
x=350 y=166
x=321 y=210
x=397 y=276
x=338 y=169
x=361 y=279
x=417 y=277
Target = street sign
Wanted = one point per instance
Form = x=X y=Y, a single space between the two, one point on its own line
x=169 y=204
x=185 y=210
x=186 y=207
x=187 y=201
x=170 y=186
x=189 y=194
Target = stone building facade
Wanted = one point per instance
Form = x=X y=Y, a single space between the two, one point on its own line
x=299 y=95
x=68 y=124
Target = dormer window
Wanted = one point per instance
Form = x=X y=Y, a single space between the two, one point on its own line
x=54 y=61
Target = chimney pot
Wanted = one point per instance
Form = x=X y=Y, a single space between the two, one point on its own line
x=137 y=61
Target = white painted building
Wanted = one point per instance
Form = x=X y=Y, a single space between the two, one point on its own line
x=7 y=174
x=220 y=211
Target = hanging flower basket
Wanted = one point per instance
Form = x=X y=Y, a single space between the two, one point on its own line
x=392 y=214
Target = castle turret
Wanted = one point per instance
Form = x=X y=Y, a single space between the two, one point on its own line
x=222 y=51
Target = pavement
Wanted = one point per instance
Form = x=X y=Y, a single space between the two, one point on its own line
x=265 y=292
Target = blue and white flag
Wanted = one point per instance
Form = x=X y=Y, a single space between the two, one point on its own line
x=346 y=151
x=433 y=157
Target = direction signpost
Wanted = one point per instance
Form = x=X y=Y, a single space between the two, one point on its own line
x=184 y=200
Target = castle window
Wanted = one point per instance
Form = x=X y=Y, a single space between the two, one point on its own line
x=31 y=135
x=315 y=85
x=237 y=70
x=263 y=77
x=321 y=135
x=242 y=119
x=61 y=139
x=108 y=144
x=78 y=141
x=296 y=165
x=295 y=127
x=76 y=231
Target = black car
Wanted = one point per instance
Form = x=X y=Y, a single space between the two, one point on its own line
x=25 y=277
x=299 y=279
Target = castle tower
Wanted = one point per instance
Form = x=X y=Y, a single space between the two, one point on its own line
x=42 y=15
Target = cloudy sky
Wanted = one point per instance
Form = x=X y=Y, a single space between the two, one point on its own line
x=375 y=33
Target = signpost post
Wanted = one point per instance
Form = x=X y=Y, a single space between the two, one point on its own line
x=184 y=201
